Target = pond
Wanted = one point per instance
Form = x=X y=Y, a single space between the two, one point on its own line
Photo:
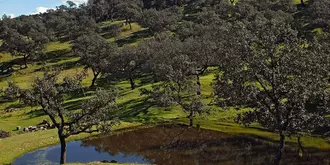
x=173 y=145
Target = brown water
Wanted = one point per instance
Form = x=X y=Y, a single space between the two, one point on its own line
x=178 y=145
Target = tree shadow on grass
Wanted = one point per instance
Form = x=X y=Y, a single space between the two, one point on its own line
x=112 y=80
x=134 y=37
x=106 y=82
x=16 y=106
x=73 y=105
x=54 y=56
x=34 y=114
x=137 y=111
x=8 y=67
x=2 y=117
x=146 y=79
x=62 y=66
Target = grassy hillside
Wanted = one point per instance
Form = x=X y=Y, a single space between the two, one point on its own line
x=134 y=108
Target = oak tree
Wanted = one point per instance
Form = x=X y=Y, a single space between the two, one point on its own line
x=94 y=52
x=97 y=114
x=276 y=73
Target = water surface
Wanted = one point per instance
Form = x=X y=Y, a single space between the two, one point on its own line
x=175 y=145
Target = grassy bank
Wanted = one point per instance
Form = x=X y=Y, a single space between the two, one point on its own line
x=99 y=163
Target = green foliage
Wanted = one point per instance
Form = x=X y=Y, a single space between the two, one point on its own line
x=94 y=51
x=158 y=21
x=18 y=45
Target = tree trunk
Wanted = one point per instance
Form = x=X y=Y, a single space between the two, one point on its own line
x=130 y=25
x=191 y=119
x=111 y=17
x=232 y=1
x=96 y=74
x=63 y=149
x=191 y=122
x=301 y=148
x=280 y=149
x=128 y=22
x=198 y=82
x=25 y=61
x=131 y=80
x=302 y=2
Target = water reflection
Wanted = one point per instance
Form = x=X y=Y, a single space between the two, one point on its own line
x=179 y=145
x=75 y=153
x=173 y=145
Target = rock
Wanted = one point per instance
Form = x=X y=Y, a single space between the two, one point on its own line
x=105 y=161
x=4 y=134
x=34 y=128
x=41 y=128
x=11 y=110
x=25 y=129
x=18 y=128
x=30 y=127
x=113 y=161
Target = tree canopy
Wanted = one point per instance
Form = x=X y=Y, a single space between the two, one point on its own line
x=94 y=51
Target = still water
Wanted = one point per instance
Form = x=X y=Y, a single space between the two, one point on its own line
x=173 y=145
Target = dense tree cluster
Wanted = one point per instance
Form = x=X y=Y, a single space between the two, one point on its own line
x=264 y=58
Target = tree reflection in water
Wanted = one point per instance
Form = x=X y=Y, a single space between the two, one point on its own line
x=179 y=145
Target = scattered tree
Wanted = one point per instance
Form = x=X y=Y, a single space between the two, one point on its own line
x=201 y=52
x=94 y=52
x=97 y=113
x=18 y=45
x=129 y=10
x=174 y=69
x=128 y=63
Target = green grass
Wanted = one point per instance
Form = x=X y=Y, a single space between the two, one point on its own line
x=5 y=57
